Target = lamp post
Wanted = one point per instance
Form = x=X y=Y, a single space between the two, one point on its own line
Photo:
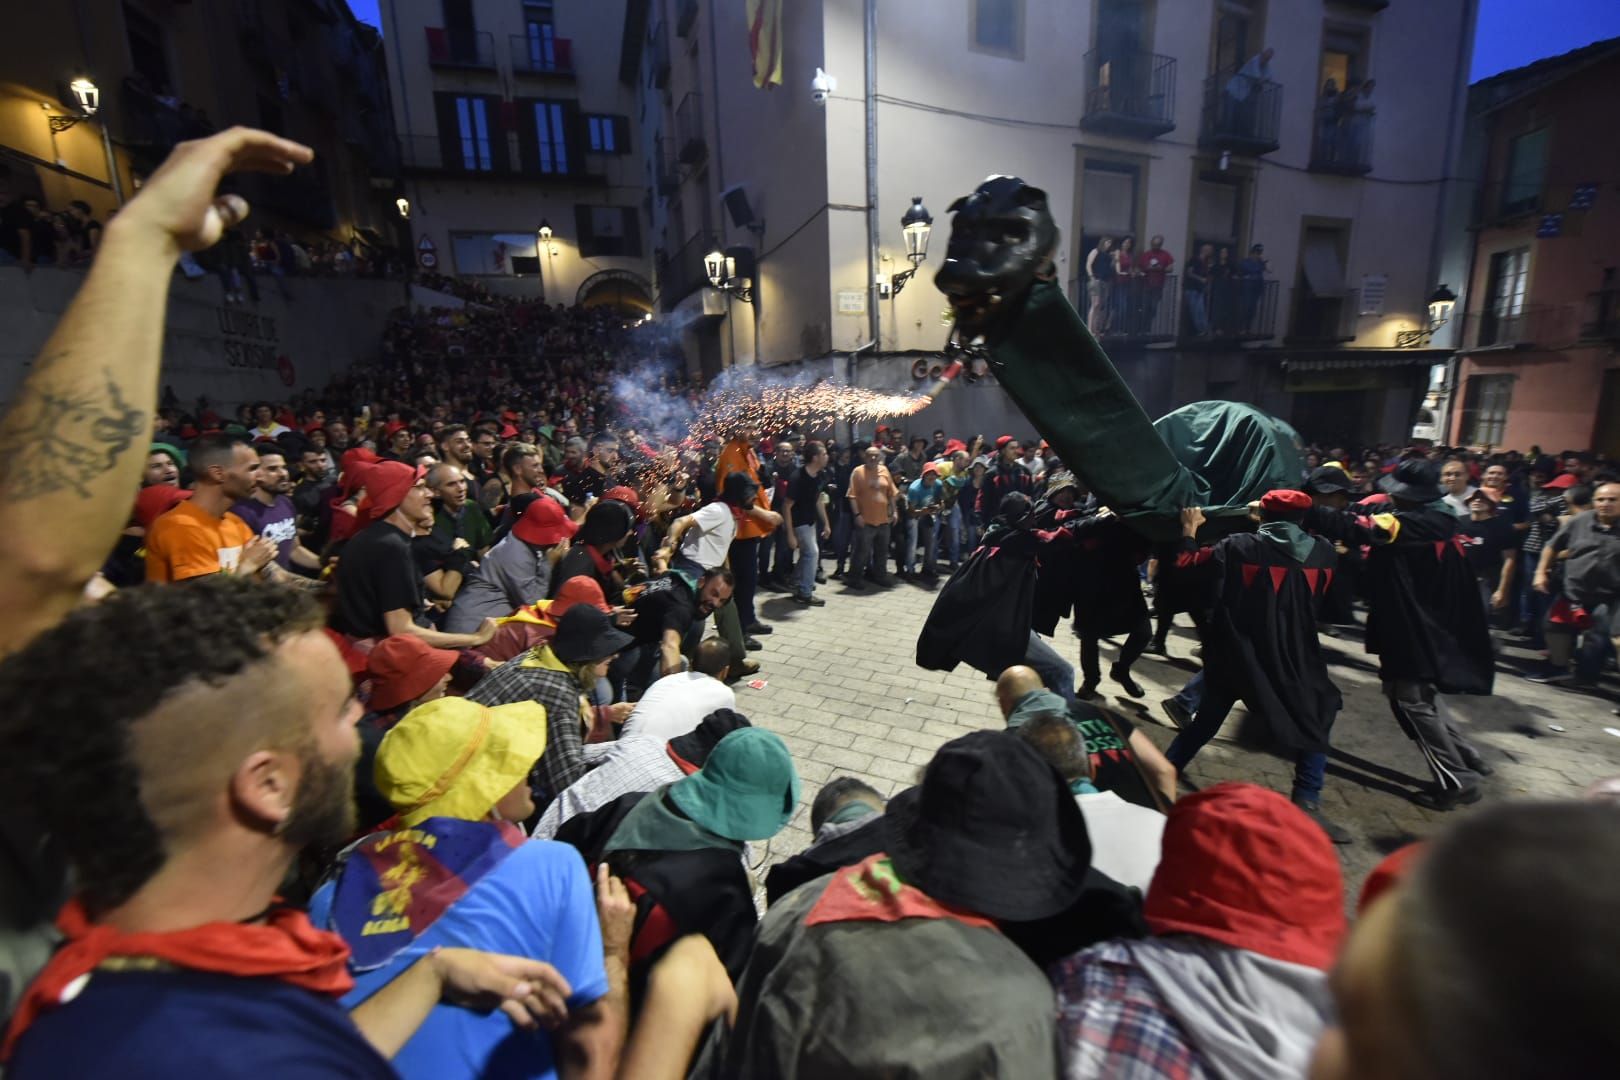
x=915 y=226
x=721 y=266
x=87 y=95
x=404 y=206
x=1441 y=303
x=543 y=240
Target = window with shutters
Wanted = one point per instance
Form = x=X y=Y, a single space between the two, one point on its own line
x=1526 y=173
x=473 y=134
x=1486 y=399
x=551 y=136
x=608 y=134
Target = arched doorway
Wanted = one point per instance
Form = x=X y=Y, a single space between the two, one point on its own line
x=625 y=292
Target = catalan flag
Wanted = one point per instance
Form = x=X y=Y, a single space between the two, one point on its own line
x=765 y=41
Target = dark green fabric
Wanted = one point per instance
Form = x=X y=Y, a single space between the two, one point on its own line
x=1288 y=536
x=1218 y=455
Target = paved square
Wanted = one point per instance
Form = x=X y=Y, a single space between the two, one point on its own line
x=845 y=693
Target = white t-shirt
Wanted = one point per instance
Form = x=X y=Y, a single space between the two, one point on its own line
x=1125 y=838
x=676 y=704
x=709 y=537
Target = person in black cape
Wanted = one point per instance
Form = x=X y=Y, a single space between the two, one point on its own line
x=984 y=614
x=1260 y=643
x=1426 y=622
x=1108 y=598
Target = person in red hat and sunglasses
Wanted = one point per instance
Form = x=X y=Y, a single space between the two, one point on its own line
x=1260 y=643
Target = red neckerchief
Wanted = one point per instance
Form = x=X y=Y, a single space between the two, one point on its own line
x=871 y=891
x=287 y=948
x=604 y=565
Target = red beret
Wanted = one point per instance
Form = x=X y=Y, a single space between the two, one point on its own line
x=1003 y=441
x=1285 y=501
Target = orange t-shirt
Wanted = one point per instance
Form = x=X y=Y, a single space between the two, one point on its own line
x=873 y=495
x=740 y=457
x=189 y=542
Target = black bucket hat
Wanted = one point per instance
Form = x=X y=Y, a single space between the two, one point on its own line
x=586 y=633
x=694 y=747
x=1415 y=479
x=739 y=489
x=1328 y=480
x=992 y=828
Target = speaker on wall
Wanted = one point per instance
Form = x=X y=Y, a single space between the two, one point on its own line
x=736 y=200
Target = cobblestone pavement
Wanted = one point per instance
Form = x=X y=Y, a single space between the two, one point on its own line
x=845 y=693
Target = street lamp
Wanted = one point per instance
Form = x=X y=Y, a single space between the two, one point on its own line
x=544 y=232
x=724 y=274
x=1441 y=303
x=87 y=95
x=404 y=206
x=915 y=226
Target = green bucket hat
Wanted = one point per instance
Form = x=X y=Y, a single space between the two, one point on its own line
x=173 y=451
x=747 y=790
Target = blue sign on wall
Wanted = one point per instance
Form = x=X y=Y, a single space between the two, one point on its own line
x=1551 y=225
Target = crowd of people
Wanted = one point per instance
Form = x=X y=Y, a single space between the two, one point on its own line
x=397 y=738
x=1221 y=294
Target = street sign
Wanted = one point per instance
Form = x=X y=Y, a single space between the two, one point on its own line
x=852 y=302
x=427 y=260
x=1551 y=225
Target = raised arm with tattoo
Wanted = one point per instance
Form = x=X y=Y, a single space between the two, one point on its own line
x=74 y=440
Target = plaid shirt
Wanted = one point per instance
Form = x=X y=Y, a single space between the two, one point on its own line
x=1111 y=1022
x=627 y=765
x=520 y=679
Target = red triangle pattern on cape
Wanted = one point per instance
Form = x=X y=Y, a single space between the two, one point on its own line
x=1249 y=570
x=1311 y=576
x=1278 y=573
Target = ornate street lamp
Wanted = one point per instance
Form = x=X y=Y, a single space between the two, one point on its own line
x=404 y=206
x=915 y=226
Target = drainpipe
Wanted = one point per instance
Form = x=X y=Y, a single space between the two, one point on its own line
x=1458 y=117
x=873 y=314
x=845 y=431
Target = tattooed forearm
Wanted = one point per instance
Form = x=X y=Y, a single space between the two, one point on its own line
x=61 y=439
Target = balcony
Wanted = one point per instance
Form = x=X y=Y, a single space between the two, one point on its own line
x=1324 y=320
x=463 y=157
x=683 y=273
x=686 y=13
x=542 y=57
x=1523 y=327
x=1342 y=142
x=1131 y=94
x=1241 y=114
x=467 y=50
x=666 y=172
x=1133 y=312
x=658 y=51
x=690 y=146
x=1601 y=318
x=1233 y=310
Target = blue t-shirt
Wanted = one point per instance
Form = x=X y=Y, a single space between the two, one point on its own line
x=921 y=493
x=278 y=522
x=537 y=903
x=157 y=1025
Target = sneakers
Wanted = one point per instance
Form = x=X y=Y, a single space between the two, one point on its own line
x=809 y=601
x=1177 y=712
x=1313 y=810
x=1130 y=685
x=1442 y=801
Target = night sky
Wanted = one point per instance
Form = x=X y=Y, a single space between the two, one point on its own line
x=1512 y=33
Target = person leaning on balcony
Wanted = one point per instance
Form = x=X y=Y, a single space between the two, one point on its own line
x=1196 y=291
x=1327 y=120
x=1126 y=286
x=1099 y=281
x=1154 y=266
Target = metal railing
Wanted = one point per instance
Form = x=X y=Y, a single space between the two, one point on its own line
x=1343 y=139
x=1229 y=309
x=1522 y=327
x=1131 y=93
x=460 y=48
x=683 y=273
x=1324 y=319
x=542 y=56
x=472 y=157
x=1241 y=114
x=666 y=173
x=1139 y=309
x=691 y=147
x=686 y=12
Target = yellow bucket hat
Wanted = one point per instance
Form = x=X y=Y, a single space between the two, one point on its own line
x=454 y=758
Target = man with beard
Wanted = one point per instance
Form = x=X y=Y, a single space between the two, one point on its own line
x=1007 y=476
x=201 y=535
x=456 y=448
x=270 y=513
x=379 y=589
x=181 y=802
x=599 y=474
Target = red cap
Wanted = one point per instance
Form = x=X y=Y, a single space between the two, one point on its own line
x=930 y=467
x=403 y=668
x=387 y=483
x=509 y=432
x=1285 y=501
x=1003 y=440
x=1244 y=866
x=1387 y=874
x=953 y=445
x=544 y=523
x=626 y=494
x=393 y=426
x=155 y=501
x=1562 y=481
x=579 y=589
x=313 y=426
x=353 y=465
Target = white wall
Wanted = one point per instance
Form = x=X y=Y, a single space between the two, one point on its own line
x=230 y=353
